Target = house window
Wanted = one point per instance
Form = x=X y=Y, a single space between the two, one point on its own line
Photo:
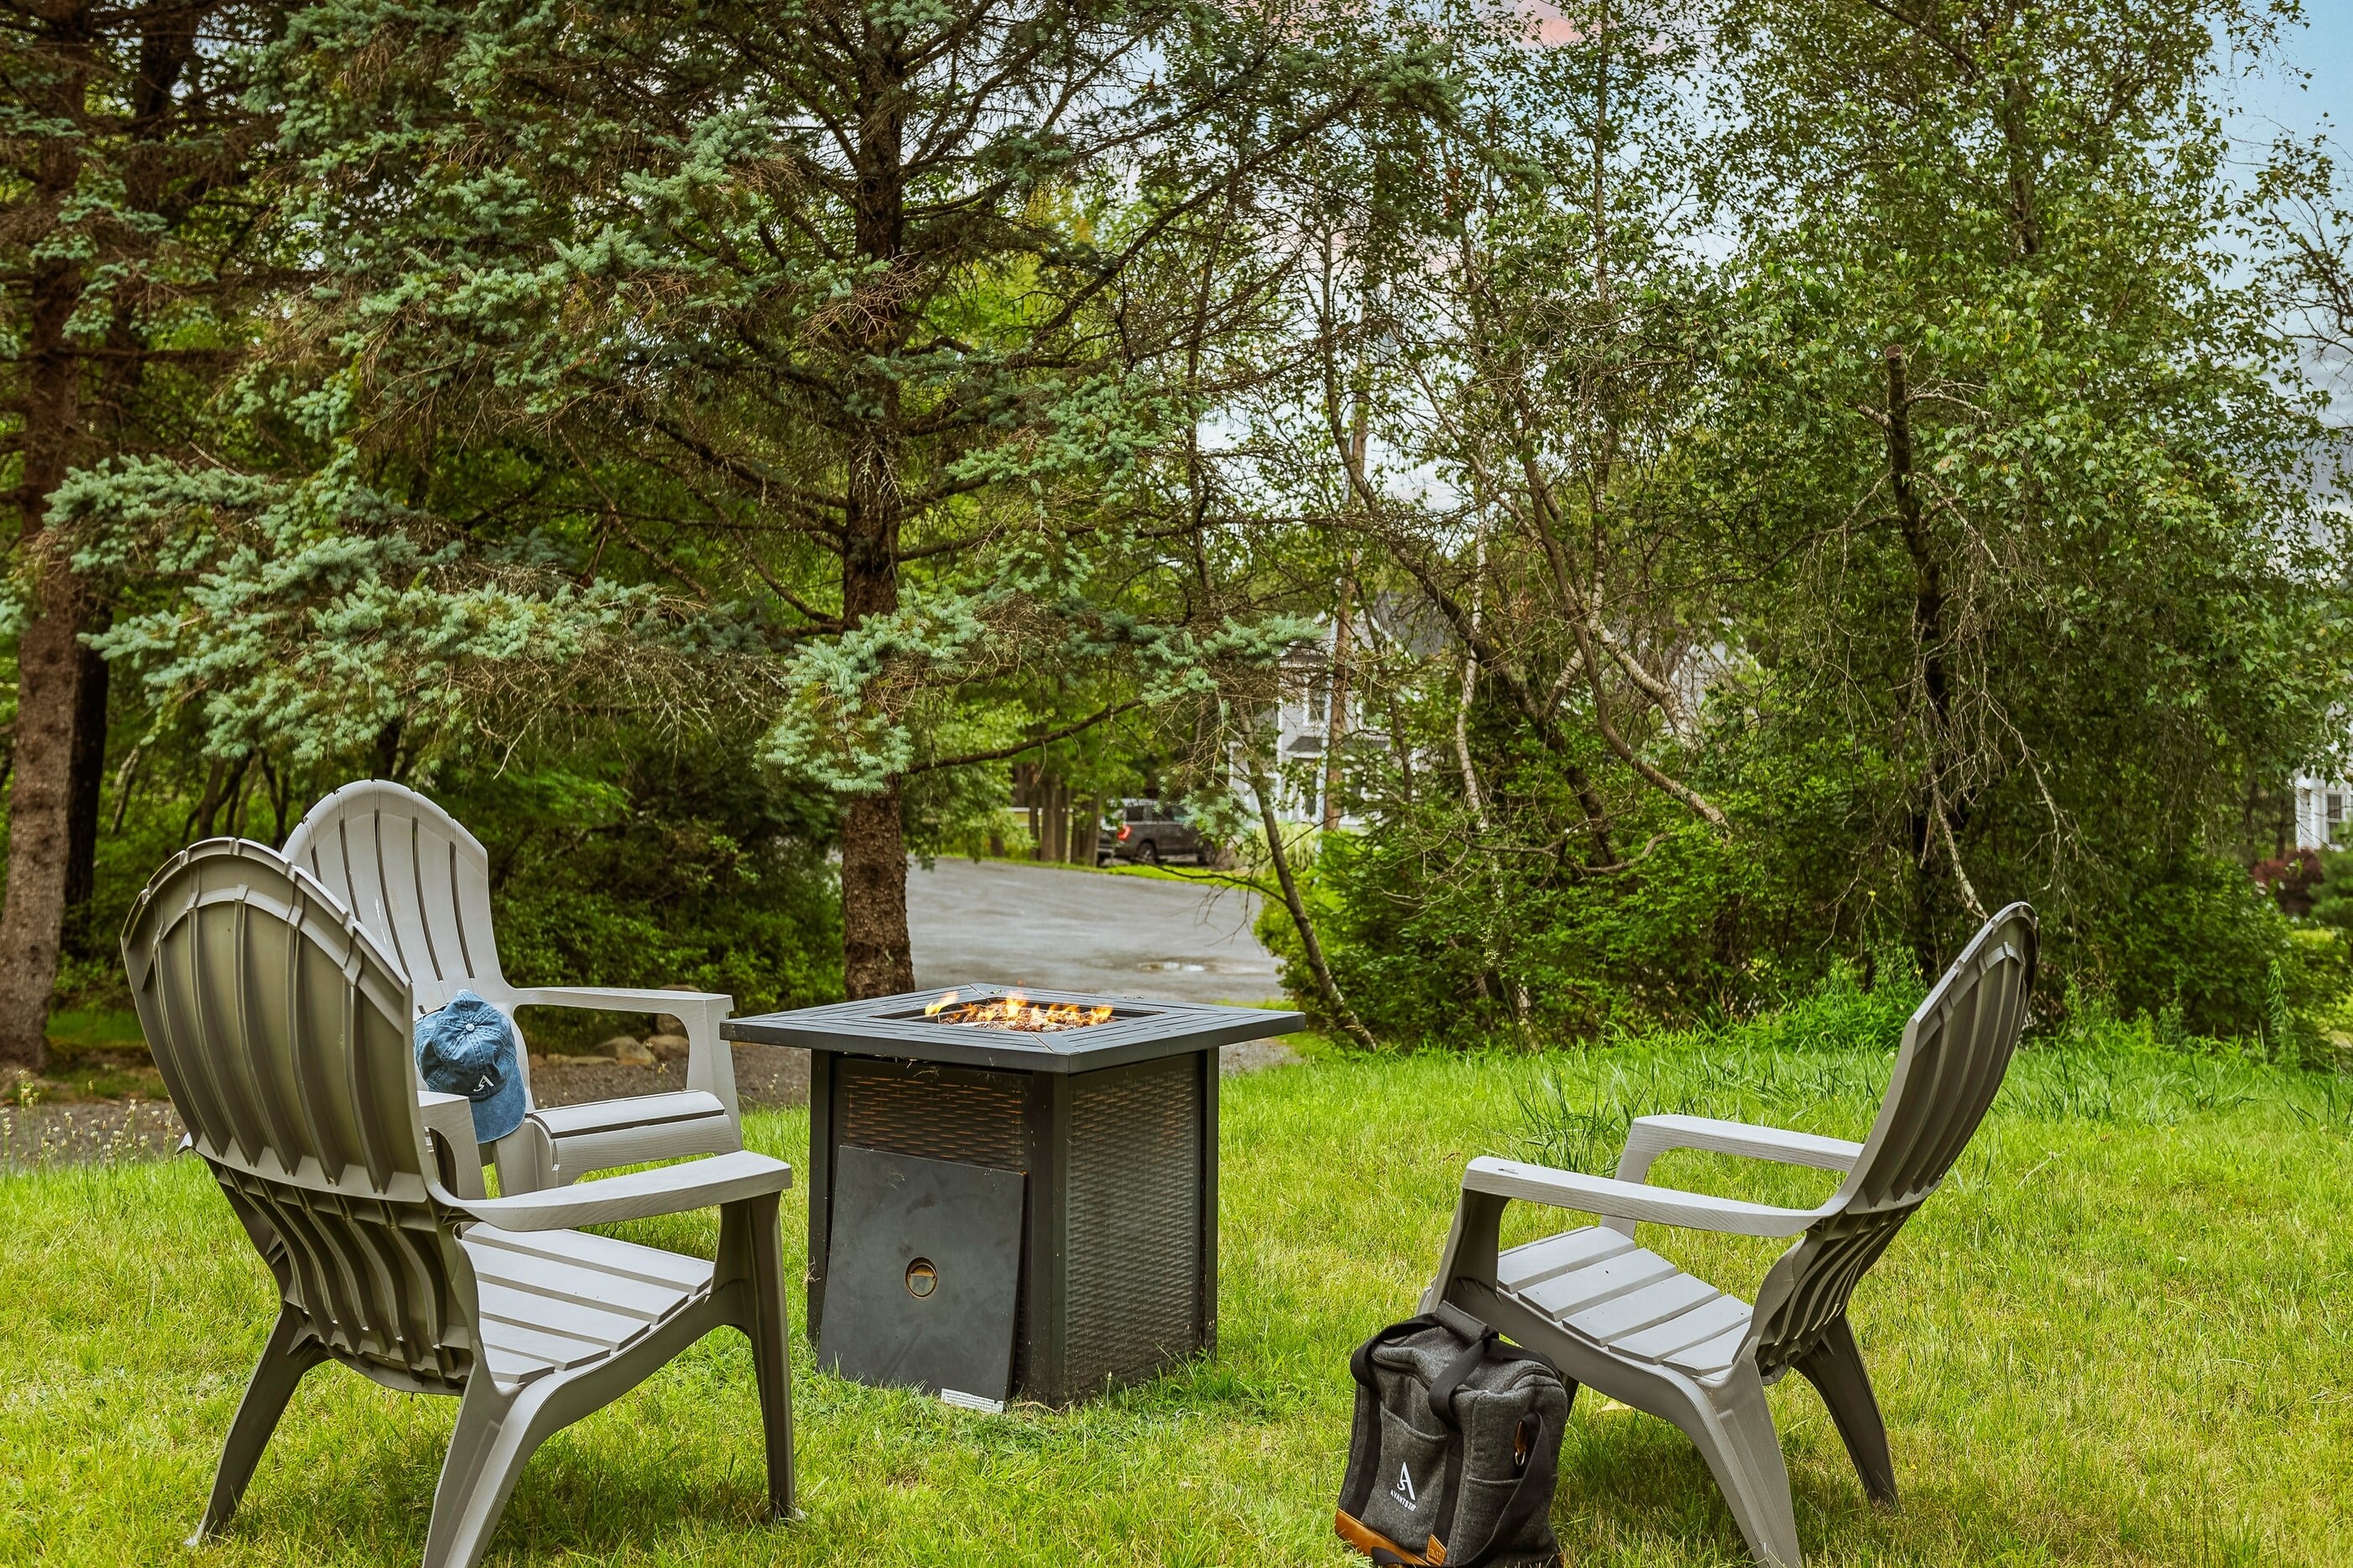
x=2336 y=812
x=1319 y=699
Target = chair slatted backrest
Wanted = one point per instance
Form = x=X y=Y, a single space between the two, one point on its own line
x=1956 y=1048
x=415 y=878
x=282 y=1032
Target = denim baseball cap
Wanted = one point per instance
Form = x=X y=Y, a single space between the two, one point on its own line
x=468 y=1047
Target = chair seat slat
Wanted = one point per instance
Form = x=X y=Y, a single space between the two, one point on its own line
x=650 y=1264
x=1710 y=1358
x=1639 y=1309
x=569 y=1282
x=1709 y=1320
x=1598 y=1282
x=597 y=1325
x=1541 y=1260
x=518 y=1353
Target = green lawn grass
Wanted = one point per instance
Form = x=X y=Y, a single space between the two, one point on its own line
x=2122 y=1333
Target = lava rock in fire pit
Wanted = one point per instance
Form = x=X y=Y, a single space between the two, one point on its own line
x=1015 y=1011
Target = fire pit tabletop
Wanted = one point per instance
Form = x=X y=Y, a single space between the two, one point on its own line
x=898 y=1026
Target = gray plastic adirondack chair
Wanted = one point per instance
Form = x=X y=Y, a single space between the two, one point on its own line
x=421 y=885
x=282 y=1031
x=1624 y=1321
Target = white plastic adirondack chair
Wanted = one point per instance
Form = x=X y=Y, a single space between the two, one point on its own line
x=282 y=1031
x=1630 y=1323
x=421 y=885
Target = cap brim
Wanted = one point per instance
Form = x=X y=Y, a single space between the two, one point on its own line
x=501 y=1113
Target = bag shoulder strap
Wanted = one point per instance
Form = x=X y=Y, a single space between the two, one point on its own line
x=1526 y=1499
x=1449 y=1381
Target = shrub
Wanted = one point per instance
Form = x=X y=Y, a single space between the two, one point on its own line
x=666 y=873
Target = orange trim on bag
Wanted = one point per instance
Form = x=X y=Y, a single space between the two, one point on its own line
x=1366 y=1540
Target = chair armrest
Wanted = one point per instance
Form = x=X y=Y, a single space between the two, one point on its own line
x=601 y=1133
x=1633 y=1201
x=613 y=998
x=452 y=1117
x=644 y=1112
x=641 y=1195
x=710 y=1063
x=1651 y=1136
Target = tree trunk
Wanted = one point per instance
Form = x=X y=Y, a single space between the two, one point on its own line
x=875 y=959
x=876 y=955
x=1928 y=819
x=87 y=786
x=1025 y=796
x=387 y=750
x=222 y=787
x=1054 y=822
x=1335 y=711
x=1325 y=986
x=48 y=656
x=201 y=813
x=32 y=919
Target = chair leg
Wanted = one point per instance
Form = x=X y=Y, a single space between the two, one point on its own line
x=1736 y=1436
x=496 y=1434
x=287 y=1356
x=1471 y=1246
x=1835 y=1369
x=771 y=1357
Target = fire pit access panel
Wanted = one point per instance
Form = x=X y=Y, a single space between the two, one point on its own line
x=1112 y=1125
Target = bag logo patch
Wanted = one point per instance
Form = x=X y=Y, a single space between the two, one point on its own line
x=1403 y=1490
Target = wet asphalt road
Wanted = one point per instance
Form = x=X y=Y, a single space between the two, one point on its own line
x=999 y=921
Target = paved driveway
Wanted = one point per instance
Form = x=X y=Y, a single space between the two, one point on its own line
x=1058 y=929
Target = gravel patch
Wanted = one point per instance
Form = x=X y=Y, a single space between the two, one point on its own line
x=764 y=1076
x=150 y=1129
x=770 y=1075
x=89 y=1129
x=1255 y=1056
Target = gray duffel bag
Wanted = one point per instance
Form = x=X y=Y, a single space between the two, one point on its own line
x=1456 y=1448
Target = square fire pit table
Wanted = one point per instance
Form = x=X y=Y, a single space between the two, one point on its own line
x=1107 y=1110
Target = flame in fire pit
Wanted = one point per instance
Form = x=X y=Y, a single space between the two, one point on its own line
x=1015 y=1011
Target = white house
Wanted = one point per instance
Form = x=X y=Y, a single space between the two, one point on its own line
x=2322 y=803
x=2321 y=806
x=1303 y=713
x=1303 y=731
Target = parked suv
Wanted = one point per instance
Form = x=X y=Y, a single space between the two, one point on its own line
x=1149 y=831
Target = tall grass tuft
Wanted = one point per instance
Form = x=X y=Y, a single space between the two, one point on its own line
x=1821 y=1065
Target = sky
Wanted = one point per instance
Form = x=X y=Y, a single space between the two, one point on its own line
x=2273 y=100
x=2276 y=99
